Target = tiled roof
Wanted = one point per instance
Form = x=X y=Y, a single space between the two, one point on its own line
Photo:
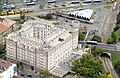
x=4 y=63
x=6 y=24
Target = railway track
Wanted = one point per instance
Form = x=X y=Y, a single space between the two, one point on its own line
x=108 y=66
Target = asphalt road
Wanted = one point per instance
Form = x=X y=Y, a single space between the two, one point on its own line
x=108 y=26
x=26 y=72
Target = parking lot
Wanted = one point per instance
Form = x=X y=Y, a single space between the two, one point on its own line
x=25 y=73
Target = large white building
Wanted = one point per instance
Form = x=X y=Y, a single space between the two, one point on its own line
x=7 y=69
x=41 y=44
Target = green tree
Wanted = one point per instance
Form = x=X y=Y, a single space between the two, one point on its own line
x=110 y=41
x=118 y=18
x=97 y=51
x=48 y=16
x=20 y=65
x=1 y=4
x=88 y=66
x=44 y=72
x=81 y=36
x=76 y=64
x=110 y=76
x=80 y=77
x=97 y=38
x=2 y=48
x=117 y=66
x=118 y=38
x=2 y=51
x=104 y=75
x=116 y=28
x=22 y=18
x=114 y=37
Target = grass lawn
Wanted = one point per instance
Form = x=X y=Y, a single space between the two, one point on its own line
x=107 y=7
x=115 y=56
x=117 y=33
x=43 y=17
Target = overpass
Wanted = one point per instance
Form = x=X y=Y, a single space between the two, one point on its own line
x=101 y=45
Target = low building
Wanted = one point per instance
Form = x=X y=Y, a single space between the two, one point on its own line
x=6 y=27
x=41 y=44
x=7 y=69
x=85 y=14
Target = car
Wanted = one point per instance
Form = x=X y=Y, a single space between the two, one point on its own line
x=22 y=74
x=29 y=75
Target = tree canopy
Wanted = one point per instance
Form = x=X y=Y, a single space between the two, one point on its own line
x=96 y=51
x=104 y=75
x=44 y=72
x=1 y=2
x=88 y=66
x=48 y=16
x=81 y=36
x=110 y=76
x=117 y=66
x=114 y=37
x=110 y=41
x=97 y=38
x=2 y=48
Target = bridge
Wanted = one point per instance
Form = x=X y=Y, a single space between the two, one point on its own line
x=101 y=45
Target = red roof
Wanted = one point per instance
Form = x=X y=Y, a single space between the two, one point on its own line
x=4 y=63
x=5 y=25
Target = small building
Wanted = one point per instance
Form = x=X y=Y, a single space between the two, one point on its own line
x=6 y=27
x=83 y=14
x=7 y=69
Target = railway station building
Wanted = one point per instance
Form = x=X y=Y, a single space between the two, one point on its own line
x=85 y=14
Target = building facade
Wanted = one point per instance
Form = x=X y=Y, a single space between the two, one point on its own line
x=41 y=45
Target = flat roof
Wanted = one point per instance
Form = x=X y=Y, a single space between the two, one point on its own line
x=59 y=71
x=86 y=13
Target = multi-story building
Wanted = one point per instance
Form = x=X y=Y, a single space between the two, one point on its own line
x=7 y=69
x=41 y=44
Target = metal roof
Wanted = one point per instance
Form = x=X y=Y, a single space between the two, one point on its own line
x=87 y=13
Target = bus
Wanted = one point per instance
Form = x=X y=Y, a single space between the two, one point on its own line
x=51 y=1
x=34 y=0
x=90 y=1
x=17 y=12
x=74 y=2
x=30 y=3
x=30 y=11
x=10 y=13
x=3 y=14
x=9 y=6
x=111 y=1
x=91 y=42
